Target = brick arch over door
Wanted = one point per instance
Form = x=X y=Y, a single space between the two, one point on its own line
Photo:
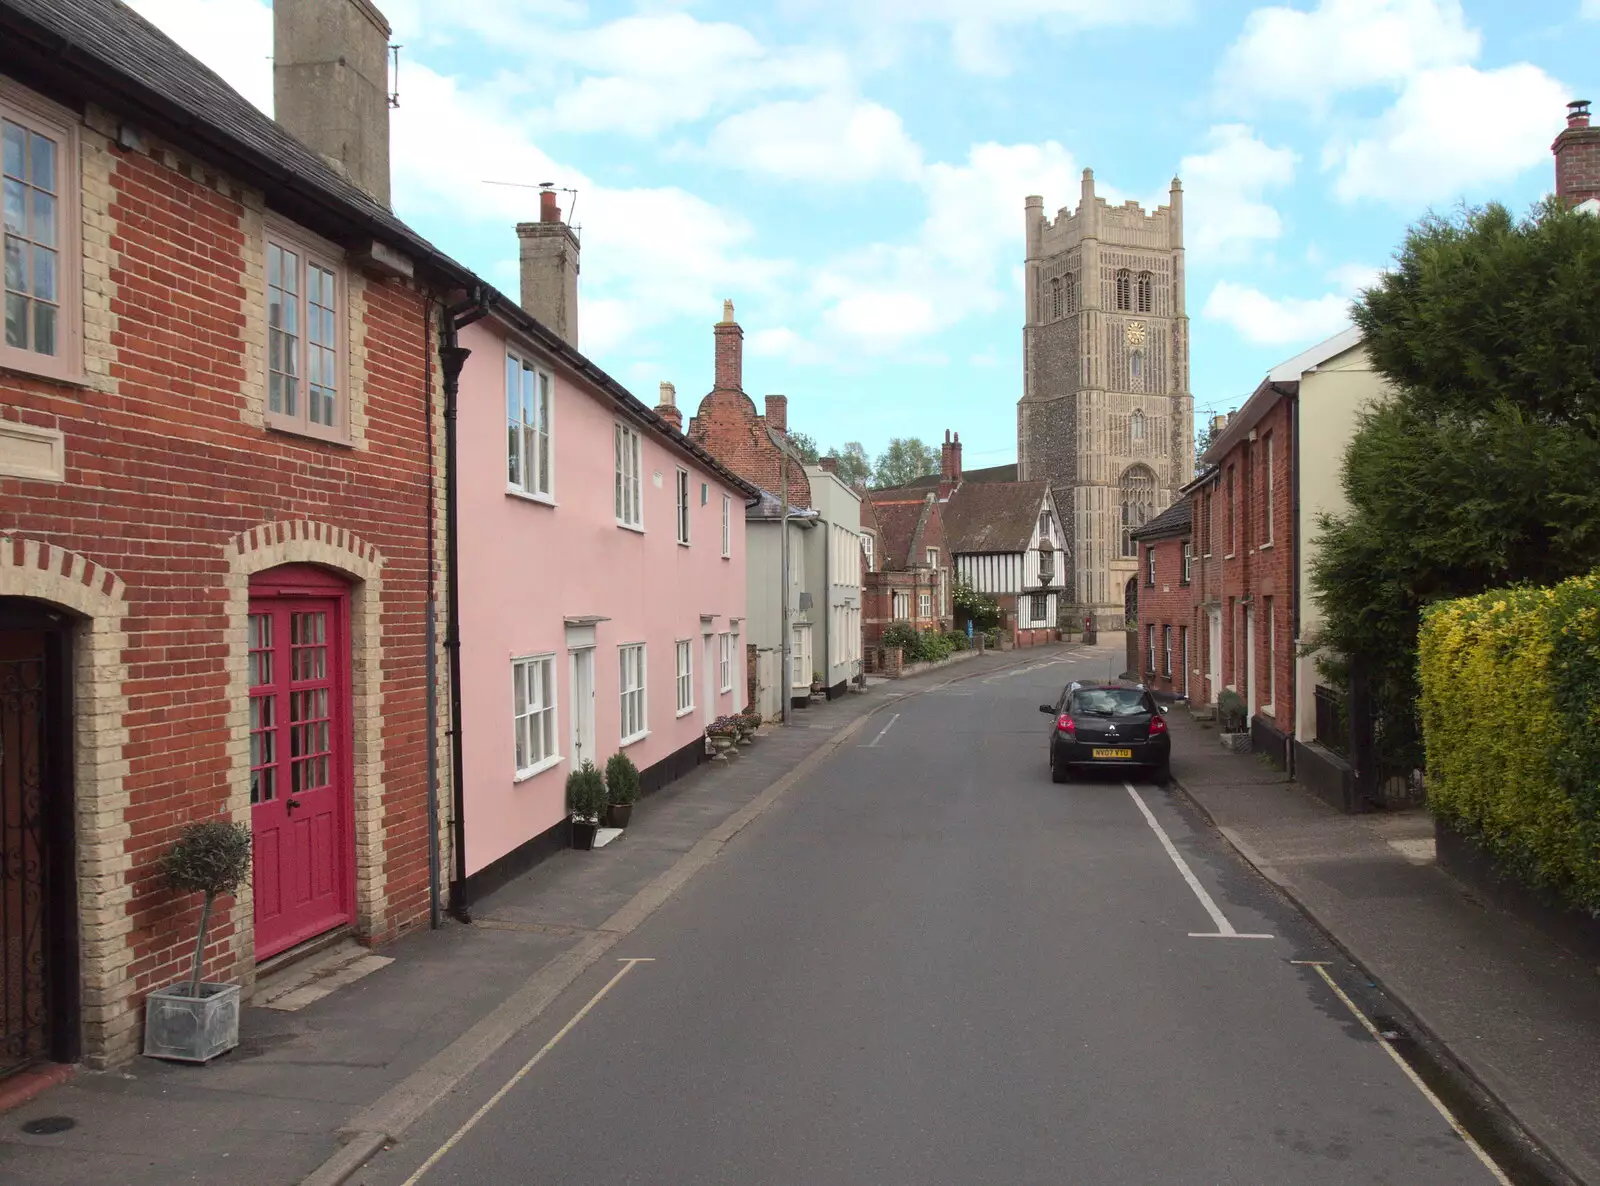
x=304 y=542
x=43 y=572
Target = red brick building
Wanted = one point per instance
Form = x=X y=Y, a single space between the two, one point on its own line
x=1577 y=152
x=1166 y=602
x=220 y=532
x=910 y=576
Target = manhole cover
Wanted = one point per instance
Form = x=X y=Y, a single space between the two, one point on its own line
x=46 y=1125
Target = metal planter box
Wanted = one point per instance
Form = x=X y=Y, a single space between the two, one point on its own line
x=191 y=1029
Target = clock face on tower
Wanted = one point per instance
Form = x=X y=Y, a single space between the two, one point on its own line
x=1134 y=333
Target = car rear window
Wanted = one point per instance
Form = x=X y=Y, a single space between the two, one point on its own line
x=1110 y=702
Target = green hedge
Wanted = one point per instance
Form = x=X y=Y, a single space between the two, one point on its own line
x=1511 y=720
x=919 y=646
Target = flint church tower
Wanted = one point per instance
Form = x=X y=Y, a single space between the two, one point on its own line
x=1106 y=416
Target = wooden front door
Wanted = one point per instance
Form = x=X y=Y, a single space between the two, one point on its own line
x=38 y=900
x=301 y=802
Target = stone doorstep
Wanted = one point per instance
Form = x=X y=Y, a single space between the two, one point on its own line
x=310 y=980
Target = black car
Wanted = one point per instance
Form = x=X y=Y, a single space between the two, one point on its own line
x=1107 y=724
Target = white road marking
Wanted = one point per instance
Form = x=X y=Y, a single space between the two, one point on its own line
x=873 y=743
x=1416 y=1080
x=455 y=1137
x=1225 y=929
x=1016 y=671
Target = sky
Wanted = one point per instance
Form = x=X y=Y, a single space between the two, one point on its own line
x=851 y=173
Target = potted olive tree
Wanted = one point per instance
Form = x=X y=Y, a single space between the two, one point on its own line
x=586 y=800
x=622 y=789
x=192 y=1021
x=1231 y=720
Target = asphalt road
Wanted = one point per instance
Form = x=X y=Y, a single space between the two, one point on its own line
x=928 y=964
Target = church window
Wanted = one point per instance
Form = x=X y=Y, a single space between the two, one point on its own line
x=1136 y=425
x=1055 y=297
x=1145 y=283
x=1138 y=491
x=1136 y=371
x=1124 y=289
x=1070 y=285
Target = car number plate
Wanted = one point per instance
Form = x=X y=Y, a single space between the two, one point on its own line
x=1113 y=753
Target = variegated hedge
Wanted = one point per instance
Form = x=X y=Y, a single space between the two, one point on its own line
x=1511 y=720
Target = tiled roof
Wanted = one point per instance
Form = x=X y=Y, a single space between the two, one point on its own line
x=1175 y=520
x=994 y=473
x=993 y=516
x=104 y=51
x=897 y=529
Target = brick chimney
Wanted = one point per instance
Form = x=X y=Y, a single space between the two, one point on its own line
x=730 y=352
x=1577 y=152
x=330 y=85
x=949 y=465
x=549 y=255
x=829 y=465
x=667 y=409
x=778 y=413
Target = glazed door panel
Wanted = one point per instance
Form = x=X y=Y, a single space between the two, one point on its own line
x=300 y=792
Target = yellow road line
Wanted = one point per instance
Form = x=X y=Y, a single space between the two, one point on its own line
x=455 y=1137
x=1438 y=1104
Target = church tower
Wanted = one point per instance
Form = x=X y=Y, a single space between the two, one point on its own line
x=1106 y=416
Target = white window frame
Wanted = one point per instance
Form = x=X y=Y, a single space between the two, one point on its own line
x=1272 y=657
x=683 y=506
x=685 y=676
x=628 y=473
x=534 y=727
x=725 y=663
x=1150 y=564
x=933 y=557
x=1266 y=500
x=633 y=691
x=39 y=116
x=309 y=252
x=896 y=600
x=866 y=549
x=727 y=527
x=925 y=605
x=1188 y=561
x=1036 y=616
x=530 y=444
x=1150 y=638
x=1166 y=644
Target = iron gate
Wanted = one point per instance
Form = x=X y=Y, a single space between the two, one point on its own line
x=37 y=906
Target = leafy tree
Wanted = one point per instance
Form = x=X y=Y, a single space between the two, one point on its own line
x=905 y=460
x=1484 y=468
x=853 y=465
x=1202 y=442
x=981 y=609
x=805 y=445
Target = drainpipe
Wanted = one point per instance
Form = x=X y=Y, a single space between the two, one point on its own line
x=1294 y=562
x=783 y=526
x=430 y=662
x=451 y=358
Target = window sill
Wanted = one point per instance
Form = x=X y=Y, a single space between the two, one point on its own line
x=683 y=712
x=683 y=543
x=527 y=496
x=727 y=555
x=637 y=737
x=728 y=691
x=535 y=771
x=289 y=430
x=638 y=528
x=70 y=377
x=1267 y=547
x=1231 y=556
x=1266 y=710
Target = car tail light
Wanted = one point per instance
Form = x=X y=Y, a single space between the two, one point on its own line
x=1064 y=724
x=1158 y=724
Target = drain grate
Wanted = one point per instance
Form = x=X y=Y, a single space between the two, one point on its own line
x=46 y=1125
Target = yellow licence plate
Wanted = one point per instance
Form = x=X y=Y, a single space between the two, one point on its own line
x=1113 y=753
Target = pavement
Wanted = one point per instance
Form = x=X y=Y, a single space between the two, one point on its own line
x=1517 y=1015
x=881 y=947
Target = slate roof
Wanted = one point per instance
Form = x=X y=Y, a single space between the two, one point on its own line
x=104 y=52
x=1174 y=521
x=993 y=516
x=770 y=506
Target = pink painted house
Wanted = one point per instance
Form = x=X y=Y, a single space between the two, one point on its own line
x=602 y=571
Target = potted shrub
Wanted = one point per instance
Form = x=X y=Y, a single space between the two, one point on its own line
x=586 y=801
x=752 y=721
x=1231 y=720
x=722 y=734
x=622 y=789
x=192 y=1021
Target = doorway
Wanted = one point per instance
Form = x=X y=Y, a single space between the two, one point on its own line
x=582 y=706
x=1214 y=651
x=708 y=676
x=301 y=773
x=1249 y=662
x=38 y=892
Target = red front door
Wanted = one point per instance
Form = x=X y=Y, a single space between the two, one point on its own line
x=300 y=769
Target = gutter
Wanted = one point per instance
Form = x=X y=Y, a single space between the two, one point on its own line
x=452 y=356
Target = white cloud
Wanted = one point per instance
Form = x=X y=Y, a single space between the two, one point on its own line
x=1288 y=56
x=1451 y=130
x=782 y=342
x=827 y=138
x=1590 y=10
x=233 y=37
x=1276 y=321
x=1223 y=211
x=1353 y=278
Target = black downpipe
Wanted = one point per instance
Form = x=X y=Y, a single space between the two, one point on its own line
x=451 y=358
x=1294 y=570
x=430 y=663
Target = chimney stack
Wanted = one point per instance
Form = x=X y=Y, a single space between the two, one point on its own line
x=949 y=464
x=1218 y=423
x=729 y=352
x=549 y=256
x=1577 y=152
x=667 y=409
x=778 y=413
x=830 y=465
x=330 y=85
